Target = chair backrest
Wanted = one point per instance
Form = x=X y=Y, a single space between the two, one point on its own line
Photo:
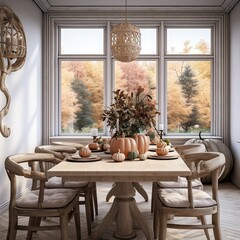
x=202 y=165
x=190 y=148
x=78 y=146
x=59 y=151
x=14 y=167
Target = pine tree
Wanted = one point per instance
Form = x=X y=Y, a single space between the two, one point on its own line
x=84 y=114
x=189 y=87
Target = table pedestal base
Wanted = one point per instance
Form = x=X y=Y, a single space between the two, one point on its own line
x=124 y=211
x=136 y=185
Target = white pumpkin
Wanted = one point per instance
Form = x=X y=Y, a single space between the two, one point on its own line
x=118 y=157
x=216 y=145
x=142 y=156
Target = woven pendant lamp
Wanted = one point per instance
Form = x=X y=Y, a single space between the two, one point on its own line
x=126 y=40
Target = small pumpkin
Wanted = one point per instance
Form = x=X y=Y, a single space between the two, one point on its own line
x=118 y=157
x=93 y=146
x=132 y=155
x=162 y=151
x=142 y=156
x=105 y=146
x=161 y=144
x=85 y=152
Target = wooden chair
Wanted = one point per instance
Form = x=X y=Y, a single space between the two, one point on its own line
x=78 y=146
x=85 y=189
x=190 y=202
x=182 y=150
x=40 y=203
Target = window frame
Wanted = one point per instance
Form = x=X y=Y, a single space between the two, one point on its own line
x=191 y=57
x=219 y=87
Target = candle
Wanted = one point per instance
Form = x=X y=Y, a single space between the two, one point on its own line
x=117 y=125
x=161 y=126
x=94 y=132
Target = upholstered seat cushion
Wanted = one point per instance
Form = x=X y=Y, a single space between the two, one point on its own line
x=178 y=197
x=53 y=198
x=56 y=182
x=181 y=183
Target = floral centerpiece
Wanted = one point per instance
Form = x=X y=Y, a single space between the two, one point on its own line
x=131 y=113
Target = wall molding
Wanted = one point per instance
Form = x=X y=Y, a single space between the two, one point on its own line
x=224 y=6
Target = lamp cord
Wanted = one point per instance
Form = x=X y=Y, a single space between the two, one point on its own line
x=125 y=10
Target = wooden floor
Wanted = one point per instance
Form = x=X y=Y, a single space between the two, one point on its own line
x=230 y=218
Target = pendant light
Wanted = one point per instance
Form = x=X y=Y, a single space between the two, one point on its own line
x=125 y=40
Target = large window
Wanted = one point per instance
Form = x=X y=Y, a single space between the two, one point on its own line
x=81 y=96
x=189 y=64
x=176 y=66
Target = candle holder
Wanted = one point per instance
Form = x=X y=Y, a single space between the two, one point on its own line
x=160 y=133
x=94 y=132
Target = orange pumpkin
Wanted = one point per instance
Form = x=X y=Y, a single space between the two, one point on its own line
x=93 y=146
x=85 y=152
x=143 y=142
x=161 y=144
x=162 y=151
x=125 y=145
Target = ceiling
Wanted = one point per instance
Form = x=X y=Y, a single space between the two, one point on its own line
x=68 y=5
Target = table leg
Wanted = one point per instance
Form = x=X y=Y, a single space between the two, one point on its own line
x=136 y=185
x=124 y=211
x=141 y=190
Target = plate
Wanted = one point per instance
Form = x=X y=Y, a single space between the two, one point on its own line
x=92 y=158
x=166 y=157
x=107 y=152
x=97 y=150
x=152 y=149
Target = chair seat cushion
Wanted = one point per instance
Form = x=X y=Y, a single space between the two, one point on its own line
x=181 y=183
x=56 y=182
x=178 y=198
x=53 y=198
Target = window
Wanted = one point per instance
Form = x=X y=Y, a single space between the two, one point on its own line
x=189 y=63
x=189 y=41
x=81 y=81
x=81 y=96
x=178 y=74
x=82 y=41
x=189 y=96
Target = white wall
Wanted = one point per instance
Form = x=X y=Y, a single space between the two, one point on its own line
x=235 y=91
x=25 y=87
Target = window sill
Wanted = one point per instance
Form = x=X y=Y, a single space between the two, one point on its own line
x=175 y=140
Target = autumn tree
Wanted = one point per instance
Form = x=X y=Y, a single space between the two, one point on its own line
x=83 y=116
x=189 y=88
x=132 y=76
x=69 y=102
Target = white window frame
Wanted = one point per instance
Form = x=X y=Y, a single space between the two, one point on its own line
x=220 y=85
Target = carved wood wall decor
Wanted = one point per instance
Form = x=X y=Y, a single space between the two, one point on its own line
x=12 y=55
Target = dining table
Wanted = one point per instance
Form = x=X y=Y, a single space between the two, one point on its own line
x=100 y=167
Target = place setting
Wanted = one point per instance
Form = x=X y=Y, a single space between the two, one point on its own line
x=77 y=158
x=163 y=157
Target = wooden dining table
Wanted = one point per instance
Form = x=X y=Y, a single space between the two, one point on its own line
x=124 y=210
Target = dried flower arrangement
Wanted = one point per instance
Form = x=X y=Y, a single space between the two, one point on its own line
x=131 y=113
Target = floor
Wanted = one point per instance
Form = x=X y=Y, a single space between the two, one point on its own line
x=230 y=218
